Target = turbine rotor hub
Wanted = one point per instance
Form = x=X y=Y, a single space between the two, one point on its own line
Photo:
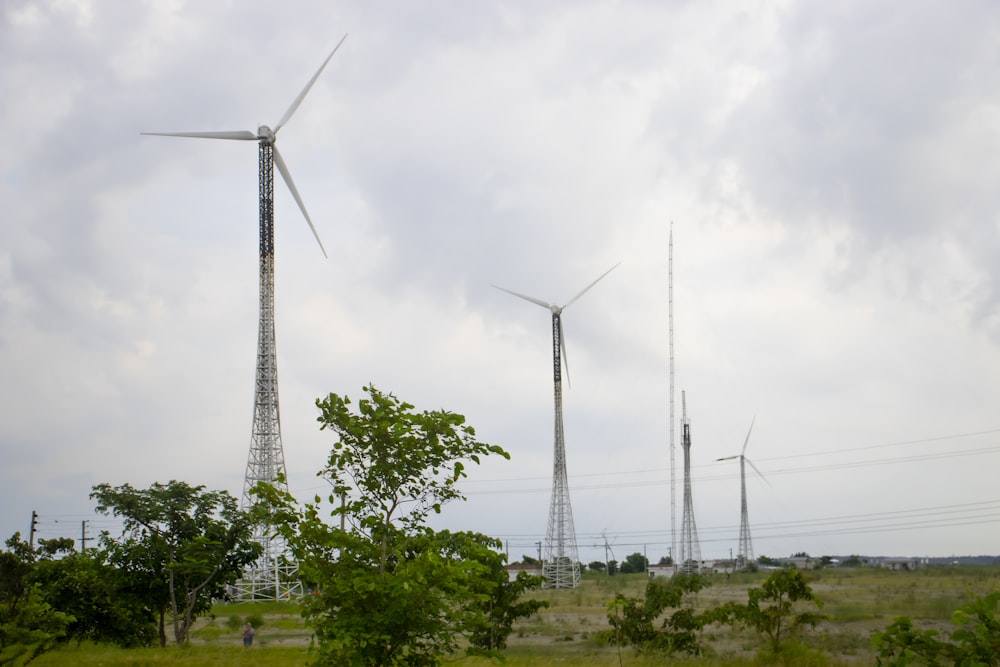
x=265 y=134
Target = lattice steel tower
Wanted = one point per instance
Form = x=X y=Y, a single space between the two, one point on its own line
x=690 y=560
x=744 y=551
x=561 y=564
x=274 y=576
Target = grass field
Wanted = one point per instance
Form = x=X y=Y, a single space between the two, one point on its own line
x=571 y=631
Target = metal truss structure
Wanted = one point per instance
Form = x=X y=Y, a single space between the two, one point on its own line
x=561 y=566
x=690 y=557
x=744 y=551
x=275 y=575
x=561 y=563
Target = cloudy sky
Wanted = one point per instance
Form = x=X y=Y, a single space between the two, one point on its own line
x=829 y=170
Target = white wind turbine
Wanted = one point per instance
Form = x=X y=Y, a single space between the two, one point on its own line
x=561 y=567
x=744 y=553
x=274 y=576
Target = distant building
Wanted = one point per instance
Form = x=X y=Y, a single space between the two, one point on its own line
x=533 y=569
x=903 y=564
x=659 y=570
x=800 y=562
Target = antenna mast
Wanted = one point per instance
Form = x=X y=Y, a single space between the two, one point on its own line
x=690 y=549
x=670 y=336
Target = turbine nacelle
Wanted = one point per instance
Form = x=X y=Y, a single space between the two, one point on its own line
x=266 y=134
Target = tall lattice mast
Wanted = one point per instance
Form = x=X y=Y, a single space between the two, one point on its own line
x=690 y=560
x=561 y=565
x=673 y=458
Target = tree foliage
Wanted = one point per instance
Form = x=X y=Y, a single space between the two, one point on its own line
x=389 y=589
x=975 y=641
x=29 y=626
x=773 y=608
x=634 y=621
x=180 y=547
x=635 y=562
x=98 y=598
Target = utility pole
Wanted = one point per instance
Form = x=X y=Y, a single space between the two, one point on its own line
x=83 y=535
x=34 y=527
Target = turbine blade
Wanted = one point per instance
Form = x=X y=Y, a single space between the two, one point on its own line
x=295 y=193
x=238 y=135
x=305 y=91
x=584 y=290
x=729 y=458
x=747 y=441
x=758 y=471
x=526 y=298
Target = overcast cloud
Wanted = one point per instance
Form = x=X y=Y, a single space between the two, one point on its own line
x=830 y=171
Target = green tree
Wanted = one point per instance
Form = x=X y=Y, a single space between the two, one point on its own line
x=634 y=621
x=772 y=609
x=498 y=600
x=97 y=595
x=975 y=642
x=635 y=563
x=29 y=626
x=390 y=590
x=188 y=543
x=597 y=566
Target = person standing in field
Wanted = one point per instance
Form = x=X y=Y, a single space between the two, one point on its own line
x=248 y=635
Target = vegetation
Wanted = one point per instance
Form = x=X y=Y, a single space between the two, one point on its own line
x=771 y=609
x=634 y=621
x=180 y=548
x=573 y=630
x=99 y=598
x=29 y=626
x=975 y=641
x=389 y=590
x=635 y=562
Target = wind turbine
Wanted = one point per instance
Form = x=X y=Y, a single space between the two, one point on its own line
x=744 y=553
x=274 y=576
x=561 y=567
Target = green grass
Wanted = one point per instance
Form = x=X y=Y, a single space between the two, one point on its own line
x=236 y=655
x=571 y=631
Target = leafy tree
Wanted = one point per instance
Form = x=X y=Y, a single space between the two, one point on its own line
x=499 y=602
x=29 y=626
x=635 y=563
x=97 y=595
x=180 y=547
x=612 y=568
x=771 y=609
x=974 y=642
x=390 y=590
x=597 y=566
x=634 y=621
